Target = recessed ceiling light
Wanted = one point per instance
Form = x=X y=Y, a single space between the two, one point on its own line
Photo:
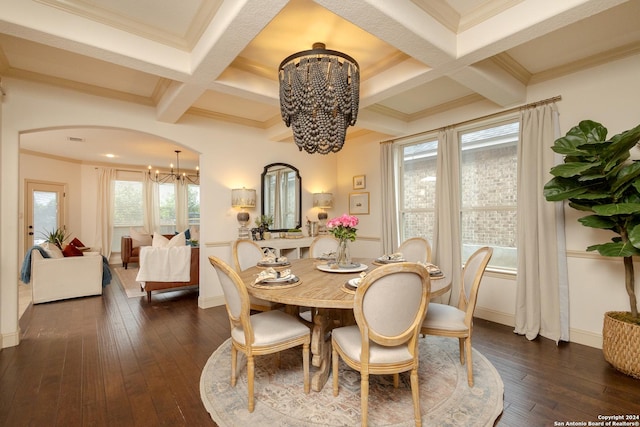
x=111 y=156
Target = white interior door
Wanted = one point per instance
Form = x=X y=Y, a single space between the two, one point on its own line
x=45 y=210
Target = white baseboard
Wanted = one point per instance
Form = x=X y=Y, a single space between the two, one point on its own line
x=10 y=340
x=495 y=316
x=210 y=301
x=591 y=339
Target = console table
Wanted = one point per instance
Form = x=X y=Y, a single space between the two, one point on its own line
x=290 y=248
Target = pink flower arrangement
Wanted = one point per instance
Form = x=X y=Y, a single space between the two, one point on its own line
x=343 y=227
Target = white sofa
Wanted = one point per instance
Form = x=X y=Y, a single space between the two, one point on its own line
x=54 y=279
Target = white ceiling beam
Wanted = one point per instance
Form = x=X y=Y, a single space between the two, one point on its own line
x=53 y=27
x=492 y=82
x=377 y=122
x=234 y=26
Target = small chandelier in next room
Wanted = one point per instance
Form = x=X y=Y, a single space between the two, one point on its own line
x=319 y=96
x=175 y=174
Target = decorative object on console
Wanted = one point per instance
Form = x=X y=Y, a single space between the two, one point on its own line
x=243 y=198
x=327 y=80
x=343 y=229
x=322 y=201
x=175 y=175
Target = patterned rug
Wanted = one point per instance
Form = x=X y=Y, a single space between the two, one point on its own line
x=127 y=279
x=446 y=399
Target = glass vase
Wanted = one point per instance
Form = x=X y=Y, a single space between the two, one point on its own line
x=343 y=257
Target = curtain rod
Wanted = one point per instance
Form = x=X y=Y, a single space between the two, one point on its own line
x=488 y=116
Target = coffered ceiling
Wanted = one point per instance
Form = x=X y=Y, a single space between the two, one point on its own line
x=219 y=58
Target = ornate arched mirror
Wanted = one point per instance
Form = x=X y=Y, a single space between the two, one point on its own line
x=281 y=196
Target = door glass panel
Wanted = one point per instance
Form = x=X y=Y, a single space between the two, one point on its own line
x=45 y=214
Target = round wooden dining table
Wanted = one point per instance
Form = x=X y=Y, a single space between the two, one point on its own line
x=330 y=300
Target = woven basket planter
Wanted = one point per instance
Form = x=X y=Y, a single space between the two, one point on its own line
x=621 y=345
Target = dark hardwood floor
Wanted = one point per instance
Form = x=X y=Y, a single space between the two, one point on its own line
x=118 y=361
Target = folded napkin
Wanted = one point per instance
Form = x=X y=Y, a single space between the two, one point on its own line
x=328 y=254
x=431 y=268
x=270 y=274
x=397 y=256
x=271 y=258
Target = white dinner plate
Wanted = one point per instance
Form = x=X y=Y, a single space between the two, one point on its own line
x=332 y=268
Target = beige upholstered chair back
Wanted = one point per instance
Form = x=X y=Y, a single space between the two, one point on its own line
x=416 y=249
x=246 y=253
x=323 y=245
x=235 y=294
x=471 y=277
x=391 y=303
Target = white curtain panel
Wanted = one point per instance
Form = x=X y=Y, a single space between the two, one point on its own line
x=151 y=204
x=389 y=207
x=104 y=223
x=182 y=206
x=542 y=302
x=447 y=238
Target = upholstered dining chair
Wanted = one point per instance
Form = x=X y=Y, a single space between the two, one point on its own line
x=258 y=334
x=323 y=245
x=389 y=306
x=457 y=322
x=247 y=253
x=416 y=249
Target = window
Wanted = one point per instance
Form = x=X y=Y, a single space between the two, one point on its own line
x=167 y=206
x=418 y=190
x=193 y=204
x=489 y=192
x=128 y=210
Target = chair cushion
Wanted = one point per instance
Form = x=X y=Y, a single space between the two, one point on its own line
x=350 y=341
x=272 y=327
x=445 y=317
x=139 y=238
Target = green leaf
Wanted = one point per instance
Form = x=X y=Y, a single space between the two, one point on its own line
x=617 y=249
x=634 y=236
x=562 y=189
x=568 y=170
x=626 y=175
x=618 y=209
x=595 y=221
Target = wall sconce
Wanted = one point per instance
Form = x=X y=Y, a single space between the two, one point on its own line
x=323 y=201
x=243 y=198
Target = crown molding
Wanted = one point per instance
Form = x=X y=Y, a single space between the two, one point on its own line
x=513 y=67
x=589 y=62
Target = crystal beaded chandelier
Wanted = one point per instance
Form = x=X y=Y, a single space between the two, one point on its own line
x=319 y=96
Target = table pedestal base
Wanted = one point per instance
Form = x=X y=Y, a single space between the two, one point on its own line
x=324 y=320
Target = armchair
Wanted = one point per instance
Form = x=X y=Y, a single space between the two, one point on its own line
x=54 y=279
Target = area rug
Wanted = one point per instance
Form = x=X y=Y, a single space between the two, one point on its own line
x=446 y=399
x=127 y=279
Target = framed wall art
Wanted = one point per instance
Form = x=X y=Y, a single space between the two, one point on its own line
x=359 y=203
x=359 y=182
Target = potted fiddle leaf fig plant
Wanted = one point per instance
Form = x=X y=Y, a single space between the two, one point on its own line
x=599 y=177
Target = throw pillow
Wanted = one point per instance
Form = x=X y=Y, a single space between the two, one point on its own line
x=187 y=234
x=139 y=238
x=177 y=240
x=70 y=250
x=76 y=243
x=52 y=250
x=159 y=241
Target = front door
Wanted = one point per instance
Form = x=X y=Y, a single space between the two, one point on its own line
x=44 y=210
